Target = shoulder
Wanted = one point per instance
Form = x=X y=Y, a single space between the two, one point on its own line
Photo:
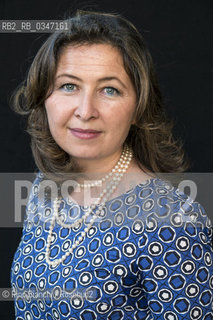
x=165 y=203
x=38 y=177
x=34 y=192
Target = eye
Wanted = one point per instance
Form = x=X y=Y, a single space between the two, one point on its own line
x=69 y=87
x=111 y=91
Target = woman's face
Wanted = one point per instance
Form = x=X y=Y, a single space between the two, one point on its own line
x=91 y=108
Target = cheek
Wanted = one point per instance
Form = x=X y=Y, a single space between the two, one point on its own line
x=57 y=112
x=119 y=123
x=124 y=115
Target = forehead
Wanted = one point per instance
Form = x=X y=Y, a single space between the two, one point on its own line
x=95 y=57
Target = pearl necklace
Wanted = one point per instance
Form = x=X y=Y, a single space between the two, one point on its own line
x=116 y=173
x=118 y=167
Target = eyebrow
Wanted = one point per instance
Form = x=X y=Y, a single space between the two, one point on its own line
x=99 y=80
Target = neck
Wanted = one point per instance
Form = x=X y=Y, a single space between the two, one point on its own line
x=98 y=166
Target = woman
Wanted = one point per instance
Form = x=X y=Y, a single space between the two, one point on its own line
x=122 y=243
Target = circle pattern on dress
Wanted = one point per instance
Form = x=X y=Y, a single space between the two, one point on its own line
x=149 y=252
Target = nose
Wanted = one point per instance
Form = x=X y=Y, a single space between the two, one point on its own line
x=86 y=108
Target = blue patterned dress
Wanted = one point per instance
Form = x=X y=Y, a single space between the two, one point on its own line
x=149 y=255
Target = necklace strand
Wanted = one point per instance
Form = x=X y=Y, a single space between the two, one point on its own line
x=117 y=173
x=119 y=165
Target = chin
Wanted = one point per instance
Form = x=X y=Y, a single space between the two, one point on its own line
x=84 y=154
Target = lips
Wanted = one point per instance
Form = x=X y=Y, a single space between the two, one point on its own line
x=85 y=133
x=85 y=130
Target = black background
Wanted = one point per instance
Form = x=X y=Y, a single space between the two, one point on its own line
x=179 y=35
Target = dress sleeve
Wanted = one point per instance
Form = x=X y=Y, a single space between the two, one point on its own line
x=176 y=267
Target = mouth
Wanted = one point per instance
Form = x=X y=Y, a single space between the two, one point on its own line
x=85 y=133
x=85 y=130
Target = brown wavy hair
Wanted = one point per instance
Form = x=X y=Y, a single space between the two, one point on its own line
x=151 y=137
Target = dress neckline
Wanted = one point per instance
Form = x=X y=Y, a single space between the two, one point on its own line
x=145 y=183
